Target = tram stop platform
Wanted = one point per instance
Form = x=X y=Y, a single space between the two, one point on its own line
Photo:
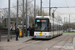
x=13 y=42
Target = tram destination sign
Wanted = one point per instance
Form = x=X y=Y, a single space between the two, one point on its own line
x=41 y=20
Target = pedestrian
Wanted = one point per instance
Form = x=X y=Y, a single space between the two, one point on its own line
x=17 y=33
x=10 y=28
x=32 y=32
x=29 y=31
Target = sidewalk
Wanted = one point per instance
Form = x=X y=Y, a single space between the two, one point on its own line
x=13 y=42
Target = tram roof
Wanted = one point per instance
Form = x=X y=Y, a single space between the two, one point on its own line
x=43 y=17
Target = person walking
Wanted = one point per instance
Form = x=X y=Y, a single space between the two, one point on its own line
x=29 y=31
x=32 y=32
x=17 y=33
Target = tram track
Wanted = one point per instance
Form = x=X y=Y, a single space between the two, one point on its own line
x=66 y=42
x=30 y=42
x=65 y=38
x=39 y=42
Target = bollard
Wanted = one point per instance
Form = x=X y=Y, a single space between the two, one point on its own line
x=0 y=37
x=20 y=33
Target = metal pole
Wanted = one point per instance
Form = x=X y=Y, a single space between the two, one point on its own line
x=0 y=37
x=49 y=7
x=53 y=26
x=17 y=15
x=23 y=19
x=64 y=23
x=53 y=21
x=26 y=18
x=8 y=21
x=69 y=23
x=34 y=10
x=41 y=8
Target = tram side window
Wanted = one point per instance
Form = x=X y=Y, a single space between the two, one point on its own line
x=50 y=27
x=55 y=27
x=60 y=27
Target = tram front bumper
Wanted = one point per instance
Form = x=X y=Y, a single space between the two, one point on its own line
x=41 y=37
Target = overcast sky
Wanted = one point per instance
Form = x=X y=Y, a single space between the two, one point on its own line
x=63 y=12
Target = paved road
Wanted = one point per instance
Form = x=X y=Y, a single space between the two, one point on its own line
x=46 y=44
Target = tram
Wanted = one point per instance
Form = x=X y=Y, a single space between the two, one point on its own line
x=46 y=28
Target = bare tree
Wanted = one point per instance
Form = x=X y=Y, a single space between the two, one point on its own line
x=30 y=11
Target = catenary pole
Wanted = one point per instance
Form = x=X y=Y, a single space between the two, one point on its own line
x=64 y=23
x=26 y=18
x=17 y=15
x=69 y=23
x=23 y=19
x=34 y=10
x=49 y=7
x=8 y=21
x=41 y=8
x=53 y=22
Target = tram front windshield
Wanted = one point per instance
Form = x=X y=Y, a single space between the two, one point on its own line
x=41 y=25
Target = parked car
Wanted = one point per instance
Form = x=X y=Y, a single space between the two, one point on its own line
x=68 y=30
x=72 y=30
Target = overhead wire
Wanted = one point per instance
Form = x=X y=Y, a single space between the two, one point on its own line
x=68 y=6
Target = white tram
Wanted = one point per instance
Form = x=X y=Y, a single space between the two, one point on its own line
x=46 y=28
